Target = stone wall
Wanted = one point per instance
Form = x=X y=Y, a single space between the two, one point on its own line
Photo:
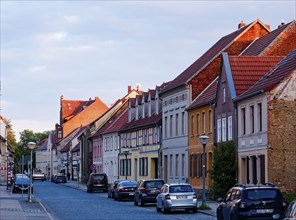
x=282 y=144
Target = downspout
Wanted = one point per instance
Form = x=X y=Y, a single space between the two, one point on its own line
x=236 y=141
x=119 y=150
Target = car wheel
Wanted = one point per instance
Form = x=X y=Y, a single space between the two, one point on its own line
x=194 y=210
x=135 y=202
x=141 y=202
x=112 y=195
x=158 y=209
x=165 y=210
x=118 y=198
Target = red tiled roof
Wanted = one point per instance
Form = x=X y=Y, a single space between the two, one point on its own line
x=247 y=70
x=206 y=97
x=283 y=69
x=118 y=123
x=144 y=122
x=211 y=54
x=262 y=43
x=69 y=107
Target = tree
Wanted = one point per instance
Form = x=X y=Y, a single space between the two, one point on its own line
x=27 y=136
x=224 y=169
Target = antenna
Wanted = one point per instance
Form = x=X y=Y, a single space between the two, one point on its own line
x=139 y=86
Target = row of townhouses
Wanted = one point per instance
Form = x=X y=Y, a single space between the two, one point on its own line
x=242 y=90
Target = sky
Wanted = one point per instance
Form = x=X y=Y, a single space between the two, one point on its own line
x=88 y=49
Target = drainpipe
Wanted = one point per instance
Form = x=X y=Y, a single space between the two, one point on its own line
x=236 y=140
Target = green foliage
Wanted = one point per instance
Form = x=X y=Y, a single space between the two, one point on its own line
x=289 y=197
x=204 y=207
x=27 y=136
x=223 y=170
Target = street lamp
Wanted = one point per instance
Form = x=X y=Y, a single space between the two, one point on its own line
x=31 y=146
x=7 y=154
x=204 y=140
x=126 y=151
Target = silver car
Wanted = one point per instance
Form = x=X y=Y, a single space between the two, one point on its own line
x=176 y=196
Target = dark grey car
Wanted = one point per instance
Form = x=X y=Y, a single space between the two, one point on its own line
x=147 y=191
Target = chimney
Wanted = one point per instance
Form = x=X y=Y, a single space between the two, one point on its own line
x=267 y=26
x=240 y=25
x=129 y=89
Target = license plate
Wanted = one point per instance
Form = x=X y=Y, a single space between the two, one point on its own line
x=98 y=184
x=181 y=197
x=131 y=194
x=264 y=211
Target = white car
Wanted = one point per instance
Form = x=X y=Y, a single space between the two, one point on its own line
x=176 y=196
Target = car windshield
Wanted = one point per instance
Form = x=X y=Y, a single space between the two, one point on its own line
x=154 y=184
x=98 y=177
x=127 y=184
x=24 y=180
x=180 y=188
x=259 y=194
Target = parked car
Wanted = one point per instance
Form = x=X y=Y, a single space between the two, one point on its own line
x=253 y=201
x=97 y=181
x=38 y=176
x=21 y=183
x=176 y=196
x=111 y=188
x=53 y=177
x=147 y=190
x=60 y=178
x=290 y=212
x=125 y=190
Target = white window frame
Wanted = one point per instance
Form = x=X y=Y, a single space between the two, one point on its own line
x=218 y=130
x=223 y=129
x=230 y=128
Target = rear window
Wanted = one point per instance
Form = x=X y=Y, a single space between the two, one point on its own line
x=154 y=184
x=98 y=177
x=180 y=188
x=133 y=184
x=261 y=194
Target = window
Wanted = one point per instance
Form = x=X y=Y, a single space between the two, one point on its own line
x=230 y=128
x=223 y=129
x=259 y=106
x=203 y=122
x=210 y=121
x=177 y=165
x=59 y=134
x=183 y=123
x=171 y=165
x=125 y=167
x=171 y=126
x=224 y=92
x=177 y=124
x=199 y=165
x=243 y=120
x=183 y=164
x=143 y=169
x=252 y=120
x=192 y=125
x=197 y=123
x=194 y=165
x=219 y=130
x=165 y=126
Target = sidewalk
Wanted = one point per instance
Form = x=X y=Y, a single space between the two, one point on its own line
x=15 y=206
x=213 y=205
x=75 y=185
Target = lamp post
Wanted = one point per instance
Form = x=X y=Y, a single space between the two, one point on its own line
x=31 y=146
x=204 y=140
x=126 y=151
x=7 y=154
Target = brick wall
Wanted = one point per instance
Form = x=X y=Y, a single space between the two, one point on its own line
x=207 y=75
x=284 y=44
x=282 y=144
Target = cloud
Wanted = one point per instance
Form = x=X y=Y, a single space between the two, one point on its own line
x=52 y=37
x=37 y=68
x=72 y=19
